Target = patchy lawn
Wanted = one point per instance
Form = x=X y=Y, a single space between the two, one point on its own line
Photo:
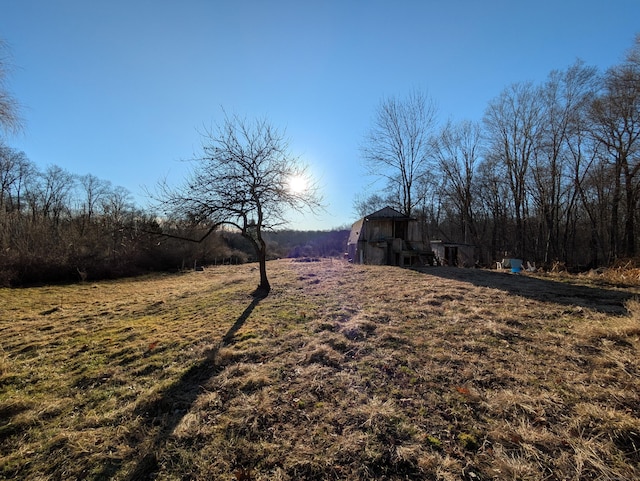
x=342 y=372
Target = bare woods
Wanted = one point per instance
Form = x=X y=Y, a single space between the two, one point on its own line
x=58 y=227
x=550 y=174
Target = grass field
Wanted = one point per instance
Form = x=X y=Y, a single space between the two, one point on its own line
x=342 y=372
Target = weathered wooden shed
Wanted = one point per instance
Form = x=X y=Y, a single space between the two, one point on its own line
x=387 y=237
x=453 y=254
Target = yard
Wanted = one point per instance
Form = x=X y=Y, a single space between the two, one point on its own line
x=343 y=372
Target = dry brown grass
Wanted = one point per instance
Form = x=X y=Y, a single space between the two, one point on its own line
x=342 y=372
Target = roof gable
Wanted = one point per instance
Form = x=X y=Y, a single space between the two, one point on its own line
x=387 y=213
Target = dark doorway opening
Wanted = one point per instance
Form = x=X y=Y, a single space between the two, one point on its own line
x=451 y=255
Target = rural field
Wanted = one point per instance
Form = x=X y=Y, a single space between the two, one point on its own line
x=344 y=372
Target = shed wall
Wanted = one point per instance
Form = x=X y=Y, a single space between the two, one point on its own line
x=464 y=254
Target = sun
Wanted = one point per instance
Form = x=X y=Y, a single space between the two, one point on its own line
x=297 y=184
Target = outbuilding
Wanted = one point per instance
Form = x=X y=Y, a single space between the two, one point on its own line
x=388 y=237
x=453 y=254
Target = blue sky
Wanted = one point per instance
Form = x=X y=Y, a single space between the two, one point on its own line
x=120 y=88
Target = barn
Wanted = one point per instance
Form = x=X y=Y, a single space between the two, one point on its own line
x=388 y=237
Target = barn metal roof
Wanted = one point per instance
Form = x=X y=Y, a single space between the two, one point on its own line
x=354 y=235
x=387 y=213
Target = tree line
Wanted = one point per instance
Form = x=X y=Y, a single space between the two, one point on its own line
x=551 y=173
x=56 y=226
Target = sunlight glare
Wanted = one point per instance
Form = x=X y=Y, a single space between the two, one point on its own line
x=297 y=184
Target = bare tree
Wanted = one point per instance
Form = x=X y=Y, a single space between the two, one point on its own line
x=118 y=212
x=616 y=125
x=397 y=148
x=513 y=126
x=633 y=55
x=493 y=192
x=243 y=179
x=15 y=168
x=117 y=205
x=50 y=193
x=9 y=117
x=94 y=190
x=367 y=204
x=457 y=153
x=592 y=179
x=564 y=97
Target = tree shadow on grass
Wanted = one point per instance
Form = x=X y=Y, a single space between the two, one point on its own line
x=606 y=299
x=164 y=412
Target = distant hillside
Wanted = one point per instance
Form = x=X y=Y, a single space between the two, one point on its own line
x=292 y=243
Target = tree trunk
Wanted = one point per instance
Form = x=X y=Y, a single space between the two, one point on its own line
x=264 y=287
x=630 y=212
x=260 y=247
x=614 y=236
